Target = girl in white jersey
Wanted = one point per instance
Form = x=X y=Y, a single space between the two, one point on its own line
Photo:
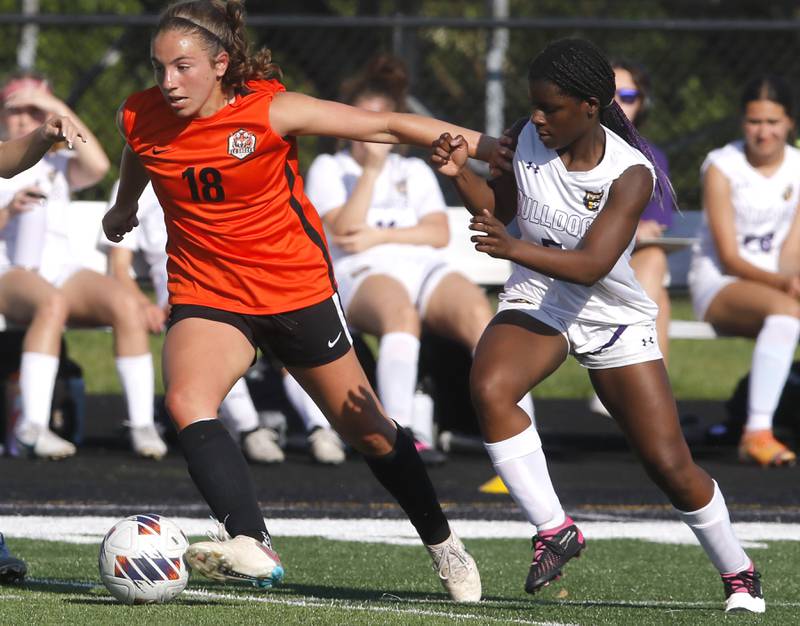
x=745 y=272
x=581 y=186
x=41 y=284
x=385 y=214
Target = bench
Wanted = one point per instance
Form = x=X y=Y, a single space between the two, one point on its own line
x=84 y=228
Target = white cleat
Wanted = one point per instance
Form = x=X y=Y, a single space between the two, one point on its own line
x=241 y=559
x=326 y=446
x=261 y=446
x=147 y=443
x=43 y=443
x=456 y=569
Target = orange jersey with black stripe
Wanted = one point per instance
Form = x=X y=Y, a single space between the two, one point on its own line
x=242 y=236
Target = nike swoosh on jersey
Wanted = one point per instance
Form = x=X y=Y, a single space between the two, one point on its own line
x=332 y=342
x=161 y=150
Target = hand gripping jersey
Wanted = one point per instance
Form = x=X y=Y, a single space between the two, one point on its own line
x=242 y=236
x=764 y=208
x=556 y=208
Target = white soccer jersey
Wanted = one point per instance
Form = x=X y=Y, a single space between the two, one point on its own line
x=556 y=207
x=764 y=207
x=149 y=238
x=50 y=175
x=405 y=191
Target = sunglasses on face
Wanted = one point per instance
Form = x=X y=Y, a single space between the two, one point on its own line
x=628 y=96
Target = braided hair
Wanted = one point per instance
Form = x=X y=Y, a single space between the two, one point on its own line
x=580 y=69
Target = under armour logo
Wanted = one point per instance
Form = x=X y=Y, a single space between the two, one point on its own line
x=532 y=166
x=646 y=341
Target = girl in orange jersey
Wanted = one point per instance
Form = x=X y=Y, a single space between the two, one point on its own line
x=249 y=267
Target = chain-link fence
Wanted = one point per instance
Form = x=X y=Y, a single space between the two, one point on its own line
x=697 y=67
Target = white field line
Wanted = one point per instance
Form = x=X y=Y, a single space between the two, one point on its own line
x=310 y=602
x=91 y=529
x=344 y=604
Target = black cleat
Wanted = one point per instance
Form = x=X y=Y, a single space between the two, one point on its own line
x=743 y=591
x=12 y=569
x=550 y=554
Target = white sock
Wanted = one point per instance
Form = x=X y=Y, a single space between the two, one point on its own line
x=37 y=378
x=137 y=378
x=396 y=374
x=520 y=462
x=237 y=408
x=712 y=527
x=308 y=410
x=772 y=358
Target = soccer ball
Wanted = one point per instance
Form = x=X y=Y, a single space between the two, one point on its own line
x=141 y=560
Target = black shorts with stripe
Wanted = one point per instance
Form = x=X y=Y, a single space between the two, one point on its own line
x=314 y=335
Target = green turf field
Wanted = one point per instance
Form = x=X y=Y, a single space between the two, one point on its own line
x=331 y=582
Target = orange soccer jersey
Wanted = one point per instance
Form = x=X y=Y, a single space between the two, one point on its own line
x=242 y=236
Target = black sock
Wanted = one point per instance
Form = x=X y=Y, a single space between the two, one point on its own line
x=220 y=472
x=405 y=477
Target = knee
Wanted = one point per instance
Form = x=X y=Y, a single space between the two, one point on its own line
x=491 y=395
x=180 y=405
x=786 y=306
x=403 y=319
x=125 y=310
x=54 y=309
x=670 y=467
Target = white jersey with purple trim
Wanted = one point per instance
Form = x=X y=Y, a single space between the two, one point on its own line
x=764 y=207
x=149 y=238
x=556 y=207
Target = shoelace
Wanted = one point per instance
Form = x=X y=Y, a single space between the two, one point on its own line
x=219 y=534
x=741 y=582
x=445 y=568
x=546 y=553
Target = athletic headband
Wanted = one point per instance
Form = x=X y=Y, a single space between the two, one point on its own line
x=26 y=82
x=211 y=34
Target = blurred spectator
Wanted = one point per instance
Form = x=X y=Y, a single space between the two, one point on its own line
x=41 y=284
x=260 y=444
x=649 y=262
x=385 y=215
x=745 y=272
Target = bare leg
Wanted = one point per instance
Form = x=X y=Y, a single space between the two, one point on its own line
x=650 y=267
x=458 y=309
x=640 y=399
x=382 y=307
x=772 y=317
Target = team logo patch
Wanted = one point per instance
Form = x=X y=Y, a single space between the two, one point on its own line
x=592 y=200
x=787 y=192
x=241 y=143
